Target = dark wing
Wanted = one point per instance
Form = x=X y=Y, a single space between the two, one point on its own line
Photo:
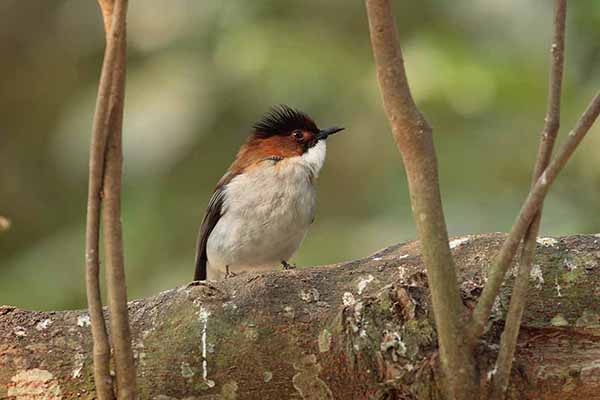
x=212 y=216
x=215 y=210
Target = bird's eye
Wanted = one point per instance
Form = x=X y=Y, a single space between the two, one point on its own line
x=298 y=135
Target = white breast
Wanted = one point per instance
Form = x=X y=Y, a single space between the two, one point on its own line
x=266 y=214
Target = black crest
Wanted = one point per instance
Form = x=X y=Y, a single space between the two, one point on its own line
x=282 y=120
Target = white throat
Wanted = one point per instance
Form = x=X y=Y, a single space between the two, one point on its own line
x=314 y=158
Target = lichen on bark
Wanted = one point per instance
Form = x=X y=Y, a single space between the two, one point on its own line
x=324 y=333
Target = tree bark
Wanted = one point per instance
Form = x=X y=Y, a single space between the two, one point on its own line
x=357 y=330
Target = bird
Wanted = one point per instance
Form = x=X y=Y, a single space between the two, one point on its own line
x=263 y=206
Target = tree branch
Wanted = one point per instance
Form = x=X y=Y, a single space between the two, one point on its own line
x=528 y=211
x=413 y=136
x=518 y=299
x=107 y=7
x=358 y=330
x=104 y=180
x=100 y=132
x=113 y=241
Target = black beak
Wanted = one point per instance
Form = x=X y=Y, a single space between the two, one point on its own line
x=324 y=133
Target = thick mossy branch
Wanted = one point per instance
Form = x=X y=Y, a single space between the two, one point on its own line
x=360 y=330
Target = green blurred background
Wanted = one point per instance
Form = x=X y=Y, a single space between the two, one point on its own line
x=201 y=72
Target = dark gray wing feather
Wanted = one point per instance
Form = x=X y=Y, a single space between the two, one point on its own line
x=212 y=216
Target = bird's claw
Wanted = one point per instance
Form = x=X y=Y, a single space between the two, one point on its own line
x=228 y=274
x=287 y=266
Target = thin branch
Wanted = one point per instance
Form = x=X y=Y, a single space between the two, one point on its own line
x=101 y=347
x=518 y=299
x=413 y=137
x=528 y=211
x=113 y=241
x=107 y=8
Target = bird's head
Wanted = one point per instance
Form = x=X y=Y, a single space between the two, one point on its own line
x=287 y=132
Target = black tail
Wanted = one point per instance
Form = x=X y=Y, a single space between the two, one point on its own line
x=200 y=272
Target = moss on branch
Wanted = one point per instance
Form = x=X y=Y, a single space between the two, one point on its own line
x=362 y=329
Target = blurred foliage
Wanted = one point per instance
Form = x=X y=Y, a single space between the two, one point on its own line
x=200 y=72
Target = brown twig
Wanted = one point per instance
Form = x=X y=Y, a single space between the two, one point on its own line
x=104 y=179
x=518 y=299
x=114 y=13
x=413 y=137
x=528 y=211
x=96 y=176
x=107 y=8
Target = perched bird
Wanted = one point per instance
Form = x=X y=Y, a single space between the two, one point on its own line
x=262 y=207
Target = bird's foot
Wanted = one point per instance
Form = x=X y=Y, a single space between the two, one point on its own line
x=287 y=266
x=228 y=274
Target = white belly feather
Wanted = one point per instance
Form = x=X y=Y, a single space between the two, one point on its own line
x=266 y=214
